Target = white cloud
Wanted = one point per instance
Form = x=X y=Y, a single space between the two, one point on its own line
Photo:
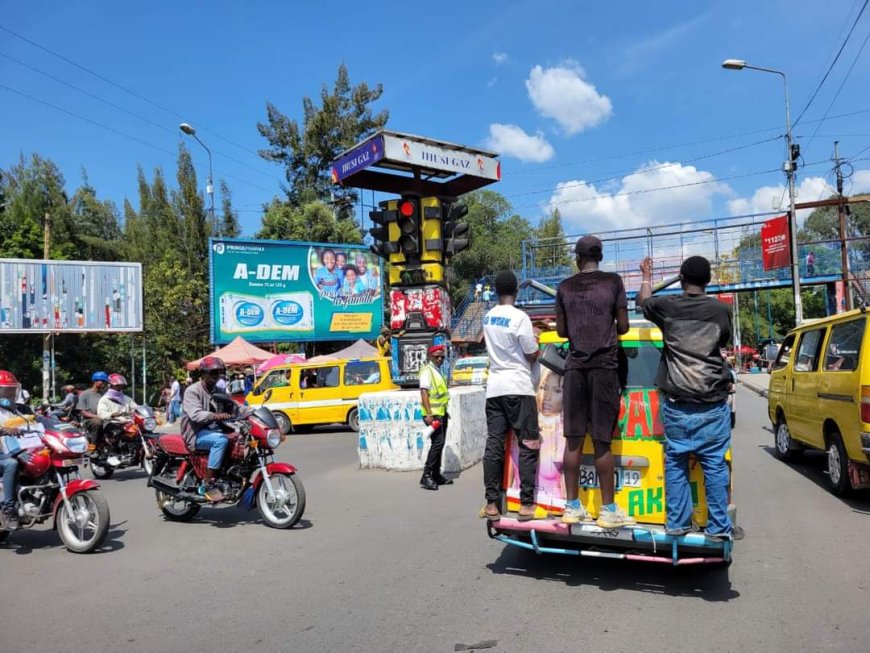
x=500 y=57
x=491 y=82
x=511 y=140
x=860 y=182
x=775 y=198
x=587 y=208
x=564 y=94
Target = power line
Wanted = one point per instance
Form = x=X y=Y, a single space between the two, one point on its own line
x=120 y=133
x=123 y=88
x=839 y=88
x=833 y=63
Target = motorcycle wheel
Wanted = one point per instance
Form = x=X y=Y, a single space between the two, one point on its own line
x=289 y=503
x=176 y=510
x=85 y=529
x=101 y=471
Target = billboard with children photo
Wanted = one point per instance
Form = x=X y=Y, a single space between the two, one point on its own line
x=283 y=291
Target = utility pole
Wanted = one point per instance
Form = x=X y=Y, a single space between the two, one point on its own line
x=842 y=210
x=46 y=339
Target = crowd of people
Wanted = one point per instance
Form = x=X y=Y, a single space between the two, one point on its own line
x=591 y=312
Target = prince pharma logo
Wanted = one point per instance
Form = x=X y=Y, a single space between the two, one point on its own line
x=218 y=248
x=248 y=313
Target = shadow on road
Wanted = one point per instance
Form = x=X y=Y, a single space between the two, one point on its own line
x=26 y=541
x=233 y=516
x=707 y=583
x=812 y=465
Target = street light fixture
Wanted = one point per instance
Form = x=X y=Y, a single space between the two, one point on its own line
x=209 y=187
x=789 y=168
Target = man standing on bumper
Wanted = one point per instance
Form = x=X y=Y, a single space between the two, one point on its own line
x=591 y=309
x=510 y=398
x=694 y=381
x=434 y=398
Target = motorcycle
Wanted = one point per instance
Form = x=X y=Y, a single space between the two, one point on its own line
x=127 y=441
x=249 y=475
x=50 y=486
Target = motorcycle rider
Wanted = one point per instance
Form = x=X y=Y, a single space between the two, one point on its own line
x=200 y=424
x=65 y=407
x=9 y=392
x=88 y=405
x=115 y=403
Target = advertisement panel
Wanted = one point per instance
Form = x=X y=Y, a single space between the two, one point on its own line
x=38 y=296
x=282 y=291
x=411 y=151
x=775 y=246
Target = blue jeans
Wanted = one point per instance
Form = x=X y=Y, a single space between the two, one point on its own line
x=215 y=443
x=9 y=466
x=174 y=411
x=705 y=431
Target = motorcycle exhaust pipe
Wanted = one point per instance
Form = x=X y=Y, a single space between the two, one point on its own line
x=175 y=491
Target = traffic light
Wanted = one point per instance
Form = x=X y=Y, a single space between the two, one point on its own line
x=453 y=228
x=431 y=230
x=383 y=246
x=409 y=223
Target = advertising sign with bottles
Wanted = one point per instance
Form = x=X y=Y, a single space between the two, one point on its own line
x=283 y=291
x=42 y=296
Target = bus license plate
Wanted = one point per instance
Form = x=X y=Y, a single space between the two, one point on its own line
x=622 y=477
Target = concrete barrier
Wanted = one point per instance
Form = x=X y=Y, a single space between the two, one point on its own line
x=391 y=430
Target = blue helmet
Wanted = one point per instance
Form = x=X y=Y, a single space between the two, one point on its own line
x=99 y=376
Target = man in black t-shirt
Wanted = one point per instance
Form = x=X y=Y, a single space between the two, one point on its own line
x=591 y=309
x=694 y=382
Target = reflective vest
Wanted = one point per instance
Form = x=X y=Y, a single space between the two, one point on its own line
x=438 y=396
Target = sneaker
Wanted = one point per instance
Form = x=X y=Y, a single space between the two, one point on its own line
x=575 y=515
x=615 y=518
x=10 y=518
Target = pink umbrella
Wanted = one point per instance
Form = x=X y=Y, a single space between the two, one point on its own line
x=280 y=359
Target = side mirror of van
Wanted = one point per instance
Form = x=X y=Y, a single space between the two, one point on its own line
x=268 y=395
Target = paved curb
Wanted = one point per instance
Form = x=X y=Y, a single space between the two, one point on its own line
x=760 y=392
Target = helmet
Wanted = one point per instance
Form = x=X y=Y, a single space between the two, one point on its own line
x=99 y=376
x=117 y=379
x=9 y=386
x=68 y=386
x=212 y=364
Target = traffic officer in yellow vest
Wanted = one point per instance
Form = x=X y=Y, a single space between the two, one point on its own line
x=434 y=397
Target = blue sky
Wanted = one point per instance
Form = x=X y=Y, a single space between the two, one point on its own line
x=590 y=104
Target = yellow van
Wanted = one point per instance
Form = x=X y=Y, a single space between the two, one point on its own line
x=305 y=394
x=819 y=397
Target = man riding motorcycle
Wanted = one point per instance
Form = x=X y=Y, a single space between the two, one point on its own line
x=200 y=423
x=10 y=425
x=66 y=407
x=115 y=403
x=88 y=405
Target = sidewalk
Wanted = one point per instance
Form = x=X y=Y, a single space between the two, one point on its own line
x=758 y=383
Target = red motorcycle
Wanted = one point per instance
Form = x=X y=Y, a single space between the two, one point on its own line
x=128 y=441
x=249 y=476
x=50 y=487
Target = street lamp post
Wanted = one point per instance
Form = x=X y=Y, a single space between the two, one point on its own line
x=209 y=187
x=789 y=167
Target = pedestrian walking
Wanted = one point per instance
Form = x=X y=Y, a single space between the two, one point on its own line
x=174 y=401
x=510 y=398
x=434 y=398
x=591 y=309
x=811 y=264
x=694 y=381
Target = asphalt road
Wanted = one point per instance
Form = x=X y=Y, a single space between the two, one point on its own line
x=378 y=564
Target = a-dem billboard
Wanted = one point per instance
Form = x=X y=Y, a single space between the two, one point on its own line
x=287 y=291
x=43 y=296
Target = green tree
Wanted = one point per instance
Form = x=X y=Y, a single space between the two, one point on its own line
x=552 y=249
x=229 y=224
x=312 y=221
x=343 y=118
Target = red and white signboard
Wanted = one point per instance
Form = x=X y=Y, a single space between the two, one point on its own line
x=775 y=246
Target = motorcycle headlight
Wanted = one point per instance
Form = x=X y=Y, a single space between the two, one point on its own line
x=150 y=424
x=273 y=438
x=77 y=445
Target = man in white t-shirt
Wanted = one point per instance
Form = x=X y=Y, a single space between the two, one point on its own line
x=510 y=398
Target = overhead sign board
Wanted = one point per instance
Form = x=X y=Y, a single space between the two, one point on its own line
x=431 y=168
x=283 y=291
x=38 y=296
x=775 y=249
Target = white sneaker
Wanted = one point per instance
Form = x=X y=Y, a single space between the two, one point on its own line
x=615 y=518
x=575 y=515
